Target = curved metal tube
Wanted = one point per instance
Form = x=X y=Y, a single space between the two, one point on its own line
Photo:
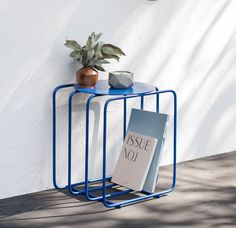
x=54 y=132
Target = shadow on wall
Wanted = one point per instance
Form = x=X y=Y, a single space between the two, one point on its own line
x=212 y=101
x=173 y=56
x=79 y=29
x=182 y=45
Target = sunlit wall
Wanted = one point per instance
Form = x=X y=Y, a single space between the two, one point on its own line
x=185 y=45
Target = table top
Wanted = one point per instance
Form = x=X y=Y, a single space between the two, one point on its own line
x=102 y=88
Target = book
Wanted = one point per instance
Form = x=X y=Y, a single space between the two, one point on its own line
x=134 y=160
x=151 y=124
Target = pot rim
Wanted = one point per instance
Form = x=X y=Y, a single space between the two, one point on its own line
x=121 y=71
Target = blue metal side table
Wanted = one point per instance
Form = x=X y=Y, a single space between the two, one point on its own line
x=103 y=89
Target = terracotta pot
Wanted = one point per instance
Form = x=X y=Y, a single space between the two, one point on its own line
x=87 y=77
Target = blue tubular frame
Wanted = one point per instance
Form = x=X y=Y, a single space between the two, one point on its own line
x=87 y=146
x=141 y=102
x=90 y=197
x=124 y=117
x=71 y=190
x=54 y=132
x=93 y=197
x=110 y=204
x=86 y=190
x=157 y=101
x=70 y=186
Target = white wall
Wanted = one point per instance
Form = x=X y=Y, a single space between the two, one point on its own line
x=185 y=45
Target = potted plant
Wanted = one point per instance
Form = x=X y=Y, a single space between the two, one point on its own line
x=92 y=56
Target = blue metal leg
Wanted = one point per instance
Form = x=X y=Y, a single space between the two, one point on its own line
x=54 y=133
x=70 y=188
x=88 y=196
x=175 y=140
x=157 y=101
x=104 y=152
x=124 y=118
x=142 y=102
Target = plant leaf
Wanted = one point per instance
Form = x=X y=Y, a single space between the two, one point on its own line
x=106 y=56
x=73 y=53
x=93 y=34
x=85 y=61
x=78 y=57
x=99 y=68
x=98 y=36
x=89 y=43
x=103 y=61
x=72 y=44
x=112 y=50
x=97 y=62
x=98 y=55
x=90 y=54
x=98 y=46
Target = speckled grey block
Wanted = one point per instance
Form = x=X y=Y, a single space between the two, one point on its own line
x=121 y=79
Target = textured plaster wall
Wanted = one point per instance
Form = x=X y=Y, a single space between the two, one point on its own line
x=185 y=45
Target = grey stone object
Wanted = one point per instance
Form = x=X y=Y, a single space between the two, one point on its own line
x=121 y=79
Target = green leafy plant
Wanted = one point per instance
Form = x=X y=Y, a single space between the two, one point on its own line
x=95 y=53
